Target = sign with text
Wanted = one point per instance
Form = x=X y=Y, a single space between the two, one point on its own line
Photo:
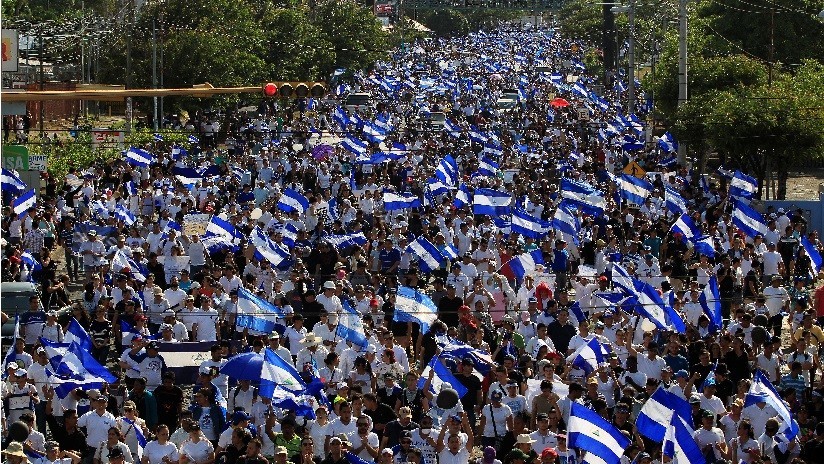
x=107 y=138
x=195 y=223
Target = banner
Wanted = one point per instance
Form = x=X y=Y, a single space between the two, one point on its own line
x=10 y=50
x=172 y=265
x=195 y=223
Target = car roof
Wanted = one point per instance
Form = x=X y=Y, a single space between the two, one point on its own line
x=17 y=287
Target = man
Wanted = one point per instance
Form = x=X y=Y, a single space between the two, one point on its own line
x=96 y=422
x=777 y=300
x=337 y=448
x=152 y=366
x=774 y=444
x=365 y=443
x=21 y=397
x=448 y=306
x=32 y=322
x=454 y=451
x=380 y=413
x=216 y=363
x=156 y=308
x=312 y=355
x=94 y=254
x=543 y=437
x=274 y=345
x=169 y=400
x=344 y=426
x=68 y=435
x=54 y=455
x=394 y=429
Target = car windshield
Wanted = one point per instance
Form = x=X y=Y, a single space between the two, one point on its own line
x=14 y=303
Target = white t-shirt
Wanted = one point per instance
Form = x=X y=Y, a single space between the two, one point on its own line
x=446 y=456
x=197 y=452
x=206 y=320
x=427 y=451
x=372 y=439
x=495 y=420
x=706 y=437
x=156 y=452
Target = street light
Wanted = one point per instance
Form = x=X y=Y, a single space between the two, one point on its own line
x=630 y=10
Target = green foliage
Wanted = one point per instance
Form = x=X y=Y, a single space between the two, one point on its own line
x=76 y=152
x=355 y=34
x=446 y=23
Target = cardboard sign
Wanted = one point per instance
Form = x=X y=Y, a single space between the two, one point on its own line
x=195 y=223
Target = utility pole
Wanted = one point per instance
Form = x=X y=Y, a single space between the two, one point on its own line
x=608 y=43
x=631 y=58
x=130 y=30
x=42 y=85
x=682 y=70
x=154 y=73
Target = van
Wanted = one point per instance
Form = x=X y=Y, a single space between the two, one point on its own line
x=14 y=300
x=357 y=101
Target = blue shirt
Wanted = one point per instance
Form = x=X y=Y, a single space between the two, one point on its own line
x=388 y=258
x=560 y=260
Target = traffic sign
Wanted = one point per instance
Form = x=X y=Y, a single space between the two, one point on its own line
x=633 y=169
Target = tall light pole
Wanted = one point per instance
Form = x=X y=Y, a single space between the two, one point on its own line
x=682 y=70
x=630 y=10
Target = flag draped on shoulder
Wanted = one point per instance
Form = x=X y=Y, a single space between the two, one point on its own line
x=761 y=390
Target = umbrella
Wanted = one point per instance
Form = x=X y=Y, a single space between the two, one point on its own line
x=245 y=366
x=323 y=151
x=559 y=103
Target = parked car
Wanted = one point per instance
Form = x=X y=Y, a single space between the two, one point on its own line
x=14 y=299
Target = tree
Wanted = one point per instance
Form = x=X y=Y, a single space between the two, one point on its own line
x=353 y=31
x=446 y=23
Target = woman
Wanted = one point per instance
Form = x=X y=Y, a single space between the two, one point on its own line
x=130 y=426
x=318 y=431
x=387 y=365
x=330 y=374
x=743 y=448
x=160 y=450
x=362 y=376
x=79 y=313
x=197 y=449
x=100 y=331
x=729 y=423
x=113 y=440
x=496 y=421
x=236 y=449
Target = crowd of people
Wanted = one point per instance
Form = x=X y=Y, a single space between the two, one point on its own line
x=152 y=276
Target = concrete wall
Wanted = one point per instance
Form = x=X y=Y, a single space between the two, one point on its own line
x=813 y=210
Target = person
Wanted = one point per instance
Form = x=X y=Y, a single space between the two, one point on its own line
x=169 y=400
x=454 y=450
x=21 y=397
x=496 y=421
x=54 y=455
x=15 y=454
x=160 y=450
x=253 y=455
x=197 y=449
x=365 y=442
x=743 y=448
x=132 y=428
x=394 y=429
x=337 y=448
x=210 y=417
x=112 y=446
x=98 y=424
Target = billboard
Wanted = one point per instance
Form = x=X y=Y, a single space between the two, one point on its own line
x=10 y=50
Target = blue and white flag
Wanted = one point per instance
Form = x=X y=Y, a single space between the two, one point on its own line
x=633 y=189
x=493 y=149
x=221 y=228
x=813 y=253
x=266 y=249
x=31 y=263
x=592 y=433
x=524 y=264
x=442 y=376
x=158 y=137
x=487 y=167
x=589 y=356
x=122 y=213
x=26 y=201
x=459 y=350
x=395 y=201
x=10 y=181
x=77 y=334
x=451 y=128
x=750 y=221
x=193 y=139
x=187 y=175
x=128 y=332
x=256 y=314
x=292 y=200
x=686 y=227
x=179 y=152
x=667 y=143
x=350 y=326
x=429 y=258
x=346 y=240
x=743 y=186
x=646 y=301
x=476 y=135
x=674 y=201
x=373 y=133
x=462 y=197
x=491 y=202
x=585 y=197
x=449 y=251
x=122 y=264
x=131 y=188
x=704 y=246
x=278 y=372
x=436 y=187
x=566 y=222
x=658 y=411
x=447 y=171
x=761 y=390
x=358 y=147
x=528 y=226
x=73 y=366
x=679 y=444
x=139 y=157
x=11 y=354
x=339 y=116
x=414 y=306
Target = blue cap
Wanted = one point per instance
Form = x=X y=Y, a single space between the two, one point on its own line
x=682 y=373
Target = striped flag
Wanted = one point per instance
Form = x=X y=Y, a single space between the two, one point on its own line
x=25 y=202
x=139 y=157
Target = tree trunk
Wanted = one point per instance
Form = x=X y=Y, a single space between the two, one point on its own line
x=783 y=175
